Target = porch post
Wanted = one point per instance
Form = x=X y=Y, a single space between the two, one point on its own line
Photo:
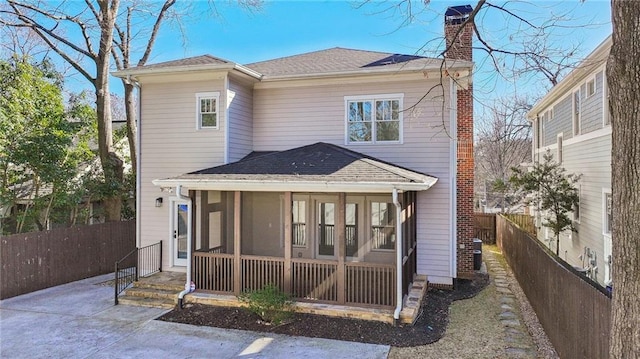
x=288 y=218
x=340 y=243
x=236 y=242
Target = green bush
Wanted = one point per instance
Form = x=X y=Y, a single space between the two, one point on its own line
x=270 y=303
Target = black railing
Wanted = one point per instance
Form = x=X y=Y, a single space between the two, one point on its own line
x=140 y=262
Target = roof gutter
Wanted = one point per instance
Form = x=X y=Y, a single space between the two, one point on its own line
x=296 y=186
x=463 y=72
x=191 y=68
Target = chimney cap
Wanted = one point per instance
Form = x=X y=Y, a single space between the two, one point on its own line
x=457 y=11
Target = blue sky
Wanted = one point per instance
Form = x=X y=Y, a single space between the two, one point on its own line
x=283 y=28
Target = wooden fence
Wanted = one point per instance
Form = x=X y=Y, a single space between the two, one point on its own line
x=574 y=311
x=484 y=227
x=38 y=260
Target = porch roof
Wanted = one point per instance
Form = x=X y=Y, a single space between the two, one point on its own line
x=320 y=167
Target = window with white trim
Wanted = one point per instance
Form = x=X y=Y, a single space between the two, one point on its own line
x=576 y=207
x=207 y=110
x=559 y=142
x=576 y=112
x=606 y=117
x=374 y=119
x=607 y=213
x=590 y=88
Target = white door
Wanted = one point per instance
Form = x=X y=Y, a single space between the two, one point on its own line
x=180 y=231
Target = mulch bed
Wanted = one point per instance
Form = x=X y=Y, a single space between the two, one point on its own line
x=430 y=326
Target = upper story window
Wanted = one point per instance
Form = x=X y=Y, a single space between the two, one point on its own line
x=374 y=119
x=576 y=112
x=207 y=109
x=590 y=88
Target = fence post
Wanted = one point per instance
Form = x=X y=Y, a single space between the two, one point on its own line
x=115 y=284
x=160 y=265
x=137 y=260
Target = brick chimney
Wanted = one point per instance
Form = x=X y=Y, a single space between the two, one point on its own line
x=461 y=49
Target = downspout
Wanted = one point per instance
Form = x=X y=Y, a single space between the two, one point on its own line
x=187 y=286
x=396 y=313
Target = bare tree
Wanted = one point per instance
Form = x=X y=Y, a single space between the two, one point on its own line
x=623 y=76
x=503 y=141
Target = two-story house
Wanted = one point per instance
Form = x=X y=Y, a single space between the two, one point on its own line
x=337 y=175
x=573 y=122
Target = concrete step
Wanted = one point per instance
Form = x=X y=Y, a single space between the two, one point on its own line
x=151 y=293
x=169 y=286
x=147 y=302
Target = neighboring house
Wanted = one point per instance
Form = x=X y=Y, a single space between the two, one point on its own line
x=573 y=122
x=337 y=174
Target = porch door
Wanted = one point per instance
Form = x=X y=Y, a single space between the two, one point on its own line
x=180 y=231
x=326 y=235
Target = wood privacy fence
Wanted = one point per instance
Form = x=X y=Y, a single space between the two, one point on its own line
x=484 y=227
x=574 y=311
x=38 y=260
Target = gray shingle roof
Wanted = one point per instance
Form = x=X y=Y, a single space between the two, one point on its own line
x=189 y=61
x=317 y=162
x=340 y=60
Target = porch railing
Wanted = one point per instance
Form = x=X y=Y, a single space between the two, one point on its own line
x=140 y=262
x=366 y=284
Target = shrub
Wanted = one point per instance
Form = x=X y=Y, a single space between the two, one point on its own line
x=270 y=303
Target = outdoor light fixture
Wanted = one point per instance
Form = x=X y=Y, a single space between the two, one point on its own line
x=159 y=202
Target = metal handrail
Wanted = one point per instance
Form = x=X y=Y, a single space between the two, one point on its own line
x=140 y=262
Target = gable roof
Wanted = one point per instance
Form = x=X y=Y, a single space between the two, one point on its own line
x=330 y=62
x=341 y=60
x=317 y=167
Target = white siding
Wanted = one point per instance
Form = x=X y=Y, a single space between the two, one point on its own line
x=171 y=145
x=240 y=119
x=288 y=118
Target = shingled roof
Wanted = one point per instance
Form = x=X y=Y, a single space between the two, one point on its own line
x=338 y=60
x=333 y=61
x=189 y=61
x=328 y=165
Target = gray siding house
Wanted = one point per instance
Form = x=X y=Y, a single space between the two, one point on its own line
x=572 y=121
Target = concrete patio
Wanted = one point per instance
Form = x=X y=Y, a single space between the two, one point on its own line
x=79 y=320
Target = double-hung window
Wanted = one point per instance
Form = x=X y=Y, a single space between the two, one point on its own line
x=207 y=110
x=374 y=119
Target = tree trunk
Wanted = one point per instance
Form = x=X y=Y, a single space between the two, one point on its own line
x=111 y=164
x=623 y=74
x=132 y=128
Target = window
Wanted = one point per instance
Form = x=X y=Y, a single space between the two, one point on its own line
x=299 y=223
x=576 y=207
x=576 y=113
x=559 y=141
x=607 y=216
x=591 y=88
x=383 y=229
x=374 y=119
x=351 y=230
x=605 y=107
x=207 y=110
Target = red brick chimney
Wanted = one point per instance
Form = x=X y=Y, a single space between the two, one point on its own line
x=459 y=37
